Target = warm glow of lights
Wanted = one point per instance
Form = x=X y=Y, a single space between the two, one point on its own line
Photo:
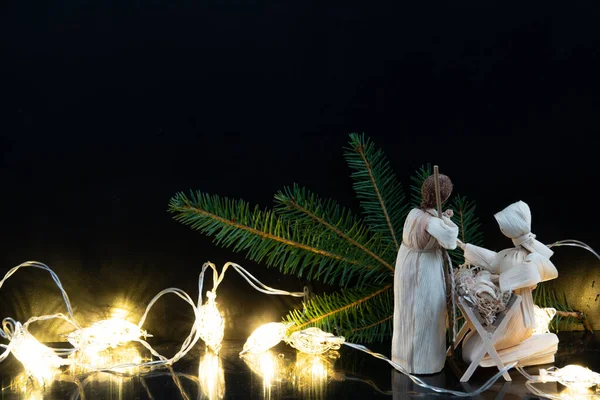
x=119 y=313
x=211 y=324
x=309 y=373
x=24 y=385
x=265 y=337
x=271 y=368
x=575 y=377
x=40 y=361
x=543 y=316
x=106 y=359
x=312 y=372
x=108 y=333
x=314 y=341
x=212 y=377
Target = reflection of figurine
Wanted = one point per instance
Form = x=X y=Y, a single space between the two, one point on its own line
x=419 y=340
x=518 y=269
x=404 y=388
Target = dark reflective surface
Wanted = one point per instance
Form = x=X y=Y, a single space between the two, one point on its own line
x=284 y=374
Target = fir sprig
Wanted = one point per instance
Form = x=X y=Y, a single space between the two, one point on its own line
x=301 y=206
x=416 y=182
x=468 y=226
x=566 y=317
x=376 y=186
x=355 y=314
x=266 y=237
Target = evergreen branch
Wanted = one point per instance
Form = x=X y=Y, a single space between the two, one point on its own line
x=566 y=316
x=417 y=182
x=345 y=310
x=377 y=187
x=266 y=237
x=468 y=224
x=379 y=330
x=381 y=321
x=296 y=203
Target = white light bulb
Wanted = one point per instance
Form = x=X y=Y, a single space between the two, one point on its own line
x=266 y=336
x=543 y=316
x=211 y=324
x=104 y=334
x=572 y=376
x=40 y=361
x=314 y=341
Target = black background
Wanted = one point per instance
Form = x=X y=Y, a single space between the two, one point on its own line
x=109 y=108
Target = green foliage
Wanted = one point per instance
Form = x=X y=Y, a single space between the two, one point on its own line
x=267 y=237
x=358 y=315
x=545 y=296
x=417 y=181
x=376 y=186
x=319 y=239
x=468 y=225
x=301 y=207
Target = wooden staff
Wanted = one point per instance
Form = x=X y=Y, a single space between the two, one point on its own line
x=449 y=294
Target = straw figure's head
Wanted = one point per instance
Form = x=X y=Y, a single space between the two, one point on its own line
x=428 y=191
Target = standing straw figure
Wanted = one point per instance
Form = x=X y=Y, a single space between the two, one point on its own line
x=518 y=269
x=419 y=339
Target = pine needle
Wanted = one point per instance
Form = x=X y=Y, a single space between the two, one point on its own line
x=376 y=186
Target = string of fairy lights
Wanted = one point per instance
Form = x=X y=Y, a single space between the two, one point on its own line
x=43 y=364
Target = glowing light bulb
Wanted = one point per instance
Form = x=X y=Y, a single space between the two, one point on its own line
x=314 y=341
x=543 y=316
x=104 y=334
x=574 y=377
x=212 y=377
x=40 y=361
x=266 y=336
x=106 y=359
x=119 y=313
x=211 y=324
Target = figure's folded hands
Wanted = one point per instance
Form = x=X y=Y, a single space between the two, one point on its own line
x=448 y=213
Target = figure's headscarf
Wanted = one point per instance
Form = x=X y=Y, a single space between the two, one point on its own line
x=515 y=223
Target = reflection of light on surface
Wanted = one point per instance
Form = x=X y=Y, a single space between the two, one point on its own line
x=118 y=386
x=312 y=372
x=40 y=361
x=26 y=387
x=543 y=316
x=108 y=333
x=212 y=376
x=211 y=324
x=309 y=374
x=271 y=368
x=268 y=366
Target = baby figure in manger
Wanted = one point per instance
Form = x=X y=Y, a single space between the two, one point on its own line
x=518 y=269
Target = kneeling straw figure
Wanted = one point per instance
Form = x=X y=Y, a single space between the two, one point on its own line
x=419 y=338
x=518 y=269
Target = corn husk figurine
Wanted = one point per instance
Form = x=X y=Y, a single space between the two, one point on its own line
x=517 y=269
x=419 y=338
